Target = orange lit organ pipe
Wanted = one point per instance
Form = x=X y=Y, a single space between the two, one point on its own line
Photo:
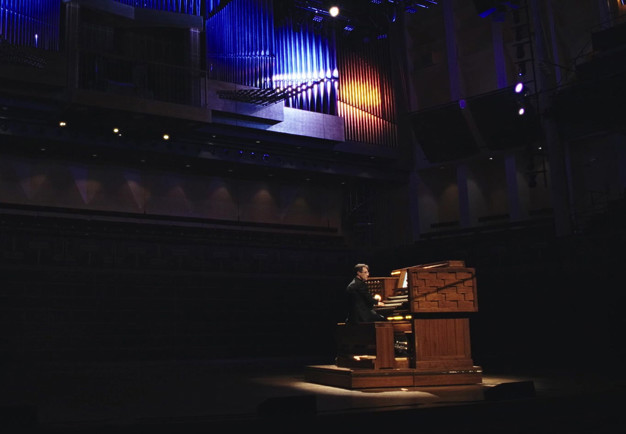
x=364 y=100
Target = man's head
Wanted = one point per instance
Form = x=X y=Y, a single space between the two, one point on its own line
x=362 y=271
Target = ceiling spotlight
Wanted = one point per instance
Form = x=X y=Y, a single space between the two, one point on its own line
x=519 y=87
x=166 y=136
x=521 y=111
x=62 y=124
x=333 y=11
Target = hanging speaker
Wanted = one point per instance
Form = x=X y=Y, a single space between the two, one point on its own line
x=443 y=133
x=497 y=119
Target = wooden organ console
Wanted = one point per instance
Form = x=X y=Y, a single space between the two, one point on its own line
x=425 y=339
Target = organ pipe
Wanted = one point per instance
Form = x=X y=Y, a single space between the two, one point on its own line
x=240 y=44
x=189 y=7
x=364 y=93
x=33 y=23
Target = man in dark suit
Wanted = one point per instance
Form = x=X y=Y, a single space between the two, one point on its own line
x=360 y=301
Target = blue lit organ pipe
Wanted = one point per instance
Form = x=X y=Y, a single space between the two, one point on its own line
x=305 y=54
x=33 y=23
x=240 y=43
x=189 y=7
x=244 y=46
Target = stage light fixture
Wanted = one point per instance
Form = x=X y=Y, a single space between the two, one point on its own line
x=519 y=87
x=521 y=111
x=333 y=11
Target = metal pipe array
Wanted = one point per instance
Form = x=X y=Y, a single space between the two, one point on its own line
x=33 y=23
x=365 y=96
x=240 y=43
x=190 y=7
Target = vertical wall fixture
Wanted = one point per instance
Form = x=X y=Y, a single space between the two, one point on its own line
x=33 y=23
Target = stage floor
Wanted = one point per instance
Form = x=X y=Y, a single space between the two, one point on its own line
x=185 y=397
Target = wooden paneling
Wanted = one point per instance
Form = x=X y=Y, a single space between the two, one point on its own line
x=442 y=343
x=449 y=289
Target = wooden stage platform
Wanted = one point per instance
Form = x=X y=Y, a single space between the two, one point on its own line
x=424 y=341
x=348 y=378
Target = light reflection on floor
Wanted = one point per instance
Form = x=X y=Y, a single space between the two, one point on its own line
x=336 y=399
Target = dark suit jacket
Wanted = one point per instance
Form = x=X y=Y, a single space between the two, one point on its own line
x=360 y=303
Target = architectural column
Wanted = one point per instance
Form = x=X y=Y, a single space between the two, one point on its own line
x=555 y=148
x=498 y=54
x=451 y=51
x=605 y=14
x=512 y=189
x=510 y=160
x=619 y=142
x=465 y=213
x=407 y=100
x=194 y=66
x=456 y=94
x=72 y=35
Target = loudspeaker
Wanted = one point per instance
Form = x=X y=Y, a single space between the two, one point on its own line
x=288 y=406
x=496 y=118
x=443 y=133
x=514 y=390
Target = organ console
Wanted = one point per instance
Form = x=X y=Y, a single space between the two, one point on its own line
x=425 y=339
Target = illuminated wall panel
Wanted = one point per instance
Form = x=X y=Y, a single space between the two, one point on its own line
x=33 y=23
